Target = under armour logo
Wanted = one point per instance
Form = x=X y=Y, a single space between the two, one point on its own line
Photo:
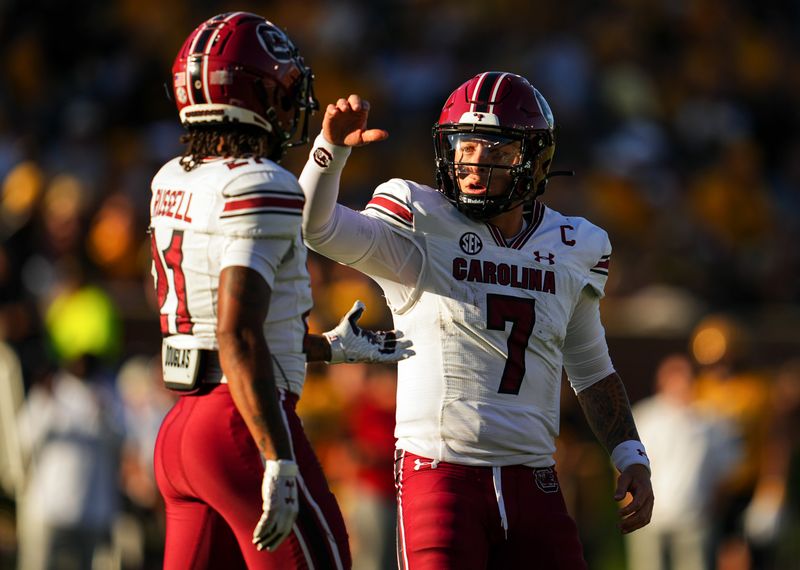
x=641 y=453
x=289 y=484
x=419 y=464
x=288 y=500
x=550 y=257
x=478 y=116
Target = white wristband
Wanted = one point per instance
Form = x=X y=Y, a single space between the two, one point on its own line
x=280 y=468
x=337 y=348
x=628 y=453
x=327 y=157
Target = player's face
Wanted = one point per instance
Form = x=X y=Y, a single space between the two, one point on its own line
x=476 y=155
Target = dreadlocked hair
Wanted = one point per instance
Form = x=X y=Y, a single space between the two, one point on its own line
x=238 y=141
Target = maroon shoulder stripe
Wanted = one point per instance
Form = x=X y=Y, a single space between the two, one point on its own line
x=264 y=202
x=396 y=209
x=602 y=265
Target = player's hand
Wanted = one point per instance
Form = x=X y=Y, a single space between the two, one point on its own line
x=345 y=123
x=351 y=343
x=636 y=481
x=279 y=492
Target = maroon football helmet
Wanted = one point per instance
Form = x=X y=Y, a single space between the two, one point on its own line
x=239 y=67
x=511 y=124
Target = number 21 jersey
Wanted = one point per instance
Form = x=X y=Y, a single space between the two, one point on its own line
x=230 y=212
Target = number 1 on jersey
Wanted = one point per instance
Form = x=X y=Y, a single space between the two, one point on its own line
x=521 y=313
x=173 y=258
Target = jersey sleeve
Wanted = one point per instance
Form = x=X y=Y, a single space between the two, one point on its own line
x=260 y=220
x=261 y=255
x=598 y=274
x=594 y=255
x=585 y=350
x=391 y=202
x=262 y=204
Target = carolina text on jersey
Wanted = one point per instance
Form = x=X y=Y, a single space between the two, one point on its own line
x=506 y=274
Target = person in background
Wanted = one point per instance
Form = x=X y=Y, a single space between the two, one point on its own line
x=71 y=434
x=732 y=384
x=692 y=452
x=771 y=519
x=370 y=425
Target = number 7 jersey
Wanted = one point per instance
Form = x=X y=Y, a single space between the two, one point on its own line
x=488 y=320
x=226 y=212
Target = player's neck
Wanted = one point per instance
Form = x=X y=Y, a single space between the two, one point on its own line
x=509 y=223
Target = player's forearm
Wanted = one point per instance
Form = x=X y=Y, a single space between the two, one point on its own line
x=608 y=411
x=244 y=298
x=320 y=182
x=247 y=364
x=317 y=348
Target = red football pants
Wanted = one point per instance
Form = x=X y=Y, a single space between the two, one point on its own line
x=209 y=472
x=453 y=516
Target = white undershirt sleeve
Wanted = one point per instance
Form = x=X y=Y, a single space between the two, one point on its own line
x=320 y=183
x=586 y=357
x=346 y=236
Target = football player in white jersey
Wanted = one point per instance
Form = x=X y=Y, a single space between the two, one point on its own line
x=498 y=292
x=237 y=473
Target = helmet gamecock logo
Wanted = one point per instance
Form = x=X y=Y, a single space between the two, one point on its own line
x=470 y=243
x=276 y=42
x=322 y=157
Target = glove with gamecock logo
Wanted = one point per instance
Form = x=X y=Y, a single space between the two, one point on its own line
x=351 y=343
x=279 y=492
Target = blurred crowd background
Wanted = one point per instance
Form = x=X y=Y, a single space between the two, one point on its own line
x=679 y=118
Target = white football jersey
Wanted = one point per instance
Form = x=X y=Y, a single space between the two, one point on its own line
x=230 y=212
x=488 y=320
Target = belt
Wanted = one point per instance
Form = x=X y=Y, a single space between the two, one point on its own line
x=210 y=368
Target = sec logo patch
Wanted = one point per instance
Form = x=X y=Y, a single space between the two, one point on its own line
x=470 y=243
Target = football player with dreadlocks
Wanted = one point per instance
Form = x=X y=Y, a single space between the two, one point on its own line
x=237 y=473
x=498 y=292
